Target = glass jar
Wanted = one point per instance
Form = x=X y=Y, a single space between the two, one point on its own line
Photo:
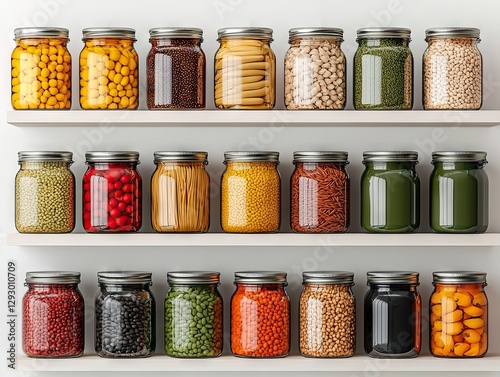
x=112 y=192
x=41 y=69
x=53 y=315
x=327 y=323
x=245 y=69
x=109 y=72
x=320 y=193
x=176 y=67
x=260 y=312
x=193 y=314
x=315 y=69
x=393 y=315
x=180 y=192
x=125 y=315
x=458 y=314
x=45 y=192
x=251 y=192
x=383 y=69
x=452 y=69
x=390 y=192
x=459 y=192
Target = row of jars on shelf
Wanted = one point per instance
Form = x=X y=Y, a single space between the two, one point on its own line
x=244 y=69
x=251 y=192
x=54 y=318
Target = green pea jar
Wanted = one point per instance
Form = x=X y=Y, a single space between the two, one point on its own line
x=193 y=315
x=459 y=192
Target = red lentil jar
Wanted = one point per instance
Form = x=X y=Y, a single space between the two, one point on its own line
x=112 y=192
x=53 y=315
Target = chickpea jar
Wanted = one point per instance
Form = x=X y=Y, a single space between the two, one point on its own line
x=109 y=73
x=250 y=192
x=245 y=69
x=41 y=69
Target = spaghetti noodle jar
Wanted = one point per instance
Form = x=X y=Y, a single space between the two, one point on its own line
x=320 y=195
x=180 y=192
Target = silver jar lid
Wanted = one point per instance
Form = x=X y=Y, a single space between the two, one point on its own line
x=52 y=277
x=453 y=32
x=124 y=277
x=321 y=156
x=390 y=156
x=116 y=156
x=245 y=32
x=193 y=277
x=41 y=32
x=263 y=156
x=383 y=32
x=316 y=32
x=459 y=156
x=184 y=156
x=42 y=156
x=328 y=277
x=458 y=277
x=260 y=277
x=392 y=277
x=176 y=32
x=108 y=32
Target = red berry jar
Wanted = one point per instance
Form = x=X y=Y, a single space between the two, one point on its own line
x=112 y=192
x=53 y=315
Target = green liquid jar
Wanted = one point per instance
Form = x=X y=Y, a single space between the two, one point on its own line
x=390 y=192
x=459 y=192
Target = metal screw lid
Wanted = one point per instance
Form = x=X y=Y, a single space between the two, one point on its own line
x=316 y=32
x=42 y=156
x=124 y=277
x=451 y=32
x=116 y=156
x=246 y=32
x=193 y=277
x=392 y=277
x=176 y=32
x=459 y=156
x=320 y=156
x=390 y=156
x=52 y=277
x=41 y=32
x=383 y=32
x=458 y=277
x=180 y=156
x=108 y=32
x=260 y=277
x=252 y=156
x=328 y=277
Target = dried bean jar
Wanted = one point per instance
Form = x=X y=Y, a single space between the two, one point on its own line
x=125 y=315
x=315 y=69
x=383 y=69
x=250 y=192
x=452 y=69
x=260 y=315
x=327 y=311
x=53 y=315
x=109 y=72
x=193 y=314
x=176 y=67
x=245 y=69
x=112 y=192
x=393 y=315
x=41 y=69
x=459 y=192
x=458 y=314
x=320 y=192
x=45 y=192
x=180 y=192
x=390 y=192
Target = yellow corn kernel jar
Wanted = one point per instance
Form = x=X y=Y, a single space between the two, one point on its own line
x=250 y=192
x=41 y=69
x=109 y=69
x=245 y=69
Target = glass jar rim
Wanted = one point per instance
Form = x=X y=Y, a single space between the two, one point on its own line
x=453 y=32
x=180 y=156
x=328 y=277
x=392 y=277
x=260 y=277
x=321 y=156
x=458 y=277
x=459 y=156
x=41 y=32
x=108 y=32
x=327 y=32
x=245 y=32
x=193 y=277
x=53 y=277
x=112 y=156
x=45 y=156
x=176 y=32
x=383 y=32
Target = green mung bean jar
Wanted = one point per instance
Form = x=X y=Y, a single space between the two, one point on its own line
x=459 y=192
x=193 y=314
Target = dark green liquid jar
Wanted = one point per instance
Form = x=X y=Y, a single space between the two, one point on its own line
x=390 y=192
x=459 y=192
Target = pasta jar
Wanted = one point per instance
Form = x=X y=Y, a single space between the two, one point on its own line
x=245 y=69
x=320 y=192
x=251 y=192
x=41 y=69
x=327 y=323
x=109 y=73
x=459 y=314
x=176 y=69
x=125 y=315
x=393 y=315
x=459 y=192
x=53 y=315
x=45 y=192
x=193 y=314
x=315 y=69
x=452 y=69
x=260 y=315
x=383 y=69
x=180 y=192
x=390 y=192
x=112 y=192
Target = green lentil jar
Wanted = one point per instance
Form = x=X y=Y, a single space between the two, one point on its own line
x=383 y=70
x=193 y=314
x=45 y=192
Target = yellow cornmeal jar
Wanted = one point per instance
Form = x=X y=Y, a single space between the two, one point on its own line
x=250 y=192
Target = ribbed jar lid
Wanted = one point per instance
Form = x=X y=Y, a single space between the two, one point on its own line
x=320 y=156
x=108 y=32
x=176 y=32
x=41 y=32
x=383 y=32
x=187 y=156
x=328 y=277
x=263 y=156
x=193 y=277
x=392 y=277
x=42 y=156
x=246 y=32
x=115 y=156
x=316 y=32
x=260 y=277
x=459 y=156
x=453 y=32
x=52 y=277
x=124 y=277
x=457 y=277
x=391 y=156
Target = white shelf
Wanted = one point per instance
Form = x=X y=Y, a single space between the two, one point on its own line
x=235 y=118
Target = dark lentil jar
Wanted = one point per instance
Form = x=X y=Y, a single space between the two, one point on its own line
x=125 y=315
x=193 y=314
x=383 y=70
x=176 y=67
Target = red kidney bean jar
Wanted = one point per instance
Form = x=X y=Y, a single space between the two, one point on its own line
x=112 y=192
x=53 y=315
